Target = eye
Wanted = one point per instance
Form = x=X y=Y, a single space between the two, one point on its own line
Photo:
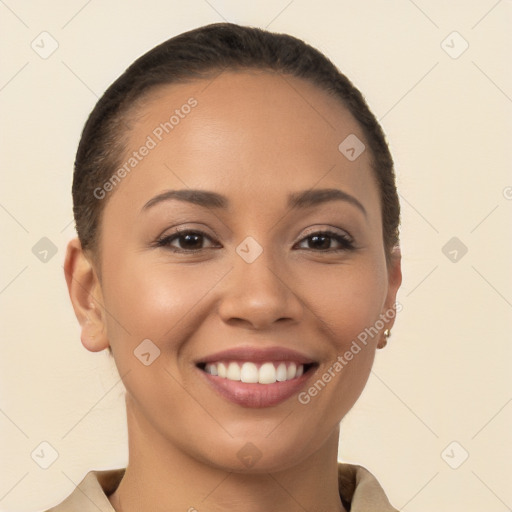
x=191 y=241
x=186 y=241
x=321 y=241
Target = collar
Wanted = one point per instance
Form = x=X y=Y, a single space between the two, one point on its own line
x=359 y=491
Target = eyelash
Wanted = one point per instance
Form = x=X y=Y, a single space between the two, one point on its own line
x=345 y=241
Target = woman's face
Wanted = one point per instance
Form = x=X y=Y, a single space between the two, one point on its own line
x=252 y=280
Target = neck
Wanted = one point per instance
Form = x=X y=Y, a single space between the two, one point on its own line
x=162 y=477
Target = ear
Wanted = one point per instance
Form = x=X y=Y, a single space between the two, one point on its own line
x=84 y=289
x=394 y=282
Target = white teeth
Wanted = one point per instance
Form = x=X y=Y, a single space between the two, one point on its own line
x=221 y=369
x=291 y=372
x=248 y=372
x=211 y=369
x=281 y=372
x=267 y=374
x=233 y=372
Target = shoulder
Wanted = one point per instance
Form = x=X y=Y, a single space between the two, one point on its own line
x=359 y=488
x=91 y=494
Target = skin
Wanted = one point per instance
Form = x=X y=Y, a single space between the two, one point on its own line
x=278 y=137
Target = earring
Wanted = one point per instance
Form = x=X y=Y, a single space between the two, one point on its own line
x=384 y=342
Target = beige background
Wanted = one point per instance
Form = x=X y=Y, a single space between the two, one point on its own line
x=445 y=375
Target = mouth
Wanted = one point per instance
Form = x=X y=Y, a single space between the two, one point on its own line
x=251 y=372
x=257 y=377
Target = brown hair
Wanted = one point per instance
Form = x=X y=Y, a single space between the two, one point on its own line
x=196 y=54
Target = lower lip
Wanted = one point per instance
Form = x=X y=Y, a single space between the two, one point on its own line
x=257 y=395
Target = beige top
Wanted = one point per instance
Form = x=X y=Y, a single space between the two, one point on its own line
x=359 y=491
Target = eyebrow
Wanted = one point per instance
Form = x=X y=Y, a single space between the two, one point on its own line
x=297 y=200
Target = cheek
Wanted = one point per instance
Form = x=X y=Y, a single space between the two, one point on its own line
x=348 y=299
x=148 y=299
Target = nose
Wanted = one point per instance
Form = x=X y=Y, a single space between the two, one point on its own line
x=257 y=295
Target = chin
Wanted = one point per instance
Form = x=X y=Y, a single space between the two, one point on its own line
x=258 y=454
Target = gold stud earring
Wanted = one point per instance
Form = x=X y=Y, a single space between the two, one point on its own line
x=384 y=342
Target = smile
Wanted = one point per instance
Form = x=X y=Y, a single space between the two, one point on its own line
x=256 y=373
x=256 y=377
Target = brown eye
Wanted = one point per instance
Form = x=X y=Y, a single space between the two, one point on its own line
x=323 y=240
x=185 y=241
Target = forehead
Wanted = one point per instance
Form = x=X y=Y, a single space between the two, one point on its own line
x=243 y=133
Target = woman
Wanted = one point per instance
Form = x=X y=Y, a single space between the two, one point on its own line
x=237 y=253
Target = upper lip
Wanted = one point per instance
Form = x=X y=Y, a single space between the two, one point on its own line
x=257 y=355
